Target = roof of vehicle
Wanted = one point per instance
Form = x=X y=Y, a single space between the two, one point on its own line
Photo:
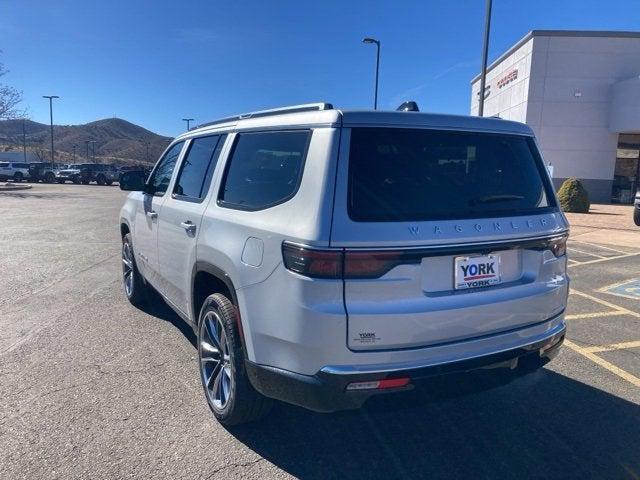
x=324 y=115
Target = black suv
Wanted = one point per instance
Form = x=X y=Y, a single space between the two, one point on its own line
x=44 y=171
x=99 y=173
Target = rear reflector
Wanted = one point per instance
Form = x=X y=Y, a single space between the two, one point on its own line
x=379 y=384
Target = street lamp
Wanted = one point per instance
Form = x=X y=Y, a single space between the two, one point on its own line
x=24 y=141
x=93 y=150
x=51 y=97
x=188 y=120
x=377 y=43
x=87 y=144
x=74 y=153
x=147 y=143
x=485 y=53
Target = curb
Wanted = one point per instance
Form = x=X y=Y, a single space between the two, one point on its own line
x=10 y=187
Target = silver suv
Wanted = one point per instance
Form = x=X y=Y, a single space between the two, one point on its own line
x=324 y=256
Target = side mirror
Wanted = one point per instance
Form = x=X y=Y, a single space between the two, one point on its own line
x=132 y=181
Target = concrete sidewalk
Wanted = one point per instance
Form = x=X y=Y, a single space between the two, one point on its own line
x=606 y=224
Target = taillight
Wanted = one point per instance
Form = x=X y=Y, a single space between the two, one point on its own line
x=370 y=264
x=328 y=263
x=312 y=262
x=558 y=246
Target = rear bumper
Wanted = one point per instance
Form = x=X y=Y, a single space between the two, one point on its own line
x=326 y=391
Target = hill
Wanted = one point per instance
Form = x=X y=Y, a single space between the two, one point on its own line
x=116 y=141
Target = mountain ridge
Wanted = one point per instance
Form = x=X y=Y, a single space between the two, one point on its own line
x=116 y=141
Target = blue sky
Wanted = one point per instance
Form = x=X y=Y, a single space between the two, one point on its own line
x=155 y=62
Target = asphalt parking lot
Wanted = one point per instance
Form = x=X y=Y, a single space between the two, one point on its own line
x=91 y=387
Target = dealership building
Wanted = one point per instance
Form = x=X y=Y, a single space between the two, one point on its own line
x=580 y=93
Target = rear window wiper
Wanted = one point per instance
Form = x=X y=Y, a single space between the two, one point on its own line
x=495 y=199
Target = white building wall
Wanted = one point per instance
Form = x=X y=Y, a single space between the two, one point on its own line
x=568 y=101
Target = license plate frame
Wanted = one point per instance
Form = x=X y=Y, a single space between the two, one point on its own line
x=486 y=272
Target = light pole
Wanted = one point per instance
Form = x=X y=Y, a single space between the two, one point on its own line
x=51 y=97
x=87 y=143
x=24 y=142
x=147 y=143
x=188 y=120
x=93 y=150
x=377 y=43
x=485 y=53
x=74 y=153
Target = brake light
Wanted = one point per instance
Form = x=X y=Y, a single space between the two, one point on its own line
x=334 y=263
x=379 y=384
x=370 y=264
x=312 y=262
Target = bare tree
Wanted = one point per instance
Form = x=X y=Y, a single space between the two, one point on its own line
x=10 y=98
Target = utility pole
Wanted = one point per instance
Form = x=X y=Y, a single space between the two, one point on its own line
x=51 y=97
x=147 y=143
x=377 y=44
x=24 y=142
x=93 y=150
x=188 y=120
x=485 y=53
x=74 y=153
x=87 y=143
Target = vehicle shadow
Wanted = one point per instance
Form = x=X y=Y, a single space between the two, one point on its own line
x=541 y=426
x=157 y=307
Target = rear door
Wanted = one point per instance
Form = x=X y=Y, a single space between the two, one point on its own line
x=445 y=236
x=145 y=240
x=181 y=216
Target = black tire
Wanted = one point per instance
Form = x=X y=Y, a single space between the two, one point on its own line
x=636 y=216
x=85 y=182
x=108 y=183
x=243 y=402
x=76 y=180
x=18 y=177
x=101 y=180
x=49 y=177
x=61 y=180
x=137 y=291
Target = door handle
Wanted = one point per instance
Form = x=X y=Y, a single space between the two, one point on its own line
x=152 y=215
x=189 y=227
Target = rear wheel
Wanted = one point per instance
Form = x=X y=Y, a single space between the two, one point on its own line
x=49 y=177
x=109 y=183
x=18 y=177
x=636 y=216
x=230 y=395
x=76 y=179
x=60 y=180
x=135 y=288
x=101 y=180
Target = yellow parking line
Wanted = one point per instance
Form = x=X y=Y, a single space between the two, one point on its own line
x=601 y=246
x=603 y=363
x=580 y=316
x=598 y=260
x=585 y=253
x=613 y=346
x=606 y=304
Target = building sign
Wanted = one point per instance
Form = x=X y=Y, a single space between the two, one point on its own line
x=508 y=78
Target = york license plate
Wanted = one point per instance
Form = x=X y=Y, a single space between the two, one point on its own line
x=476 y=272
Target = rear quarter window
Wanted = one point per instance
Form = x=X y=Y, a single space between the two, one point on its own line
x=400 y=174
x=264 y=169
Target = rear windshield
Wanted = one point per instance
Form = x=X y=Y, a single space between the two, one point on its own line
x=414 y=175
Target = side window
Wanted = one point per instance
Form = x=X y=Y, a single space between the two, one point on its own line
x=265 y=169
x=161 y=176
x=197 y=167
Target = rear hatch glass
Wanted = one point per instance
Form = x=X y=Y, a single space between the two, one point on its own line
x=409 y=175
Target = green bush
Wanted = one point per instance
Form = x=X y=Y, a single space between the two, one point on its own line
x=573 y=196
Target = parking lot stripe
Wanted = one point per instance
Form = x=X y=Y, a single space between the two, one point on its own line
x=614 y=346
x=585 y=253
x=601 y=246
x=579 y=316
x=598 y=260
x=603 y=363
x=606 y=304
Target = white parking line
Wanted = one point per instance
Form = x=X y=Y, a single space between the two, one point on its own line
x=598 y=260
x=600 y=246
x=580 y=316
x=613 y=346
x=585 y=253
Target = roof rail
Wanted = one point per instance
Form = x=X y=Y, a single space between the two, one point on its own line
x=307 y=107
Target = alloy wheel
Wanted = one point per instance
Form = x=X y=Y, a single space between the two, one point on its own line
x=127 y=269
x=215 y=361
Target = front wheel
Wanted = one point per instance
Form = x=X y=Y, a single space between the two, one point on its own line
x=49 y=177
x=135 y=288
x=18 y=177
x=230 y=395
x=636 y=216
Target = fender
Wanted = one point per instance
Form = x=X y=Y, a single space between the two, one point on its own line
x=221 y=275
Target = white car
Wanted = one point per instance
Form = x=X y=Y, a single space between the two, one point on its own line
x=324 y=256
x=16 y=171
